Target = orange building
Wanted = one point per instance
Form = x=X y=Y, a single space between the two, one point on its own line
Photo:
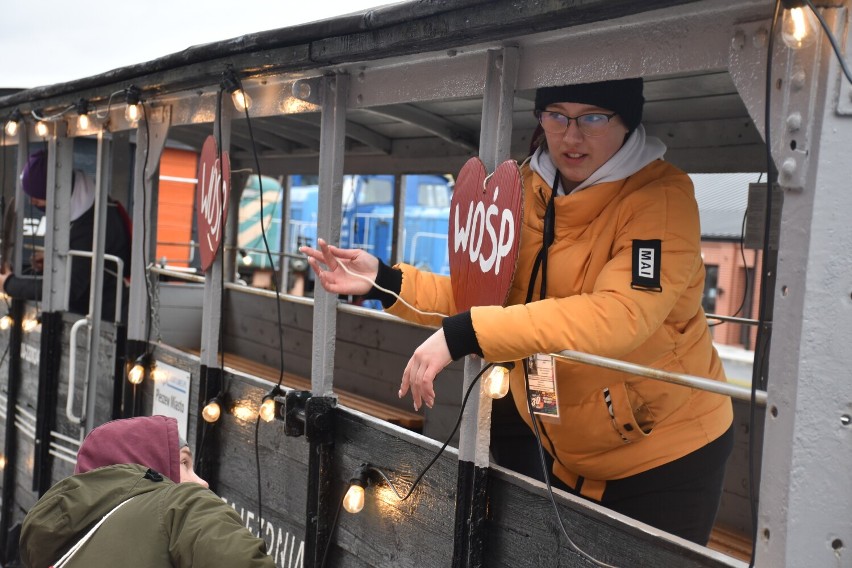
x=732 y=283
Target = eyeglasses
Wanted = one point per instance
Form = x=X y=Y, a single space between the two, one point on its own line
x=591 y=124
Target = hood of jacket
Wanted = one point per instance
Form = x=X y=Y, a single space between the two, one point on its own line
x=152 y=441
x=71 y=507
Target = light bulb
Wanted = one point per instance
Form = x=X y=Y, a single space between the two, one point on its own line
x=6 y=322
x=12 y=127
x=83 y=122
x=30 y=324
x=496 y=383
x=267 y=409
x=798 y=27
x=212 y=411
x=353 y=502
x=242 y=100
x=247 y=260
x=136 y=374
x=41 y=128
x=132 y=112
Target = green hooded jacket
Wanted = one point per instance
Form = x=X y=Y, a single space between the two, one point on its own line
x=166 y=524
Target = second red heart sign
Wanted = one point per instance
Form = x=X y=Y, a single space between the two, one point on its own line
x=485 y=221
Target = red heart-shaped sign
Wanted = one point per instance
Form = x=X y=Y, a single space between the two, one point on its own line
x=214 y=186
x=485 y=231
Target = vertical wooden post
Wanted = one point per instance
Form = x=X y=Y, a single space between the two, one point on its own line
x=474 y=438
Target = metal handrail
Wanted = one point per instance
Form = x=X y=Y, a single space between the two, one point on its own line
x=119 y=278
x=72 y=374
x=177 y=274
x=692 y=381
x=732 y=319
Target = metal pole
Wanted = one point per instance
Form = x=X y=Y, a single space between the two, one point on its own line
x=805 y=495
x=211 y=317
x=60 y=168
x=692 y=381
x=475 y=435
x=96 y=281
x=151 y=137
x=332 y=136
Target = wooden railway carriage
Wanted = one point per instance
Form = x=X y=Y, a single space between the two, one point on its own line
x=421 y=87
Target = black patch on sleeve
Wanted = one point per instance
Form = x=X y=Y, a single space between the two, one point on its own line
x=646 y=265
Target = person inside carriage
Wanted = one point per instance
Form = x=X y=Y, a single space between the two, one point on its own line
x=624 y=278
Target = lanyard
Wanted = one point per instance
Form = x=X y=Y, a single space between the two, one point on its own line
x=547 y=238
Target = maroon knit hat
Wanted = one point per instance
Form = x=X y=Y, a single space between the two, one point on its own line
x=151 y=441
x=34 y=176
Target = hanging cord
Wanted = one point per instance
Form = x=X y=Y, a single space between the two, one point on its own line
x=544 y=471
x=52 y=117
x=275 y=285
x=390 y=292
x=741 y=244
x=831 y=39
x=109 y=105
x=422 y=473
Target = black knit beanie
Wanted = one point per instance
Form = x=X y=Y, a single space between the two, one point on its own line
x=622 y=96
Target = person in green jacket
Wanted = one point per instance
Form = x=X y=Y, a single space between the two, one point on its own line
x=134 y=500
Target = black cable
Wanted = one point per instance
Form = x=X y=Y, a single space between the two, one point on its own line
x=422 y=473
x=832 y=40
x=741 y=243
x=275 y=283
x=546 y=474
x=277 y=389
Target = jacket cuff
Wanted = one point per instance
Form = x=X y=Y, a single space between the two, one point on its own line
x=460 y=336
x=389 y=279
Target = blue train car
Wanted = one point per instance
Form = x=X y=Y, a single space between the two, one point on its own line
x=367 y=219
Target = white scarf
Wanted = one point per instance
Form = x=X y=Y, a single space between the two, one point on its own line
x=637 y=152
x=83 y=195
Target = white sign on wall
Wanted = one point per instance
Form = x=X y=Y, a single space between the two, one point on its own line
x=171 y=395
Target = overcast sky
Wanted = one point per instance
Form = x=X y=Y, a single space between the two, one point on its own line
x=52 y=41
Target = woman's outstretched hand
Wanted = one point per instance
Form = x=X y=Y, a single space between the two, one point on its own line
x=428 y=360
x=326 y=262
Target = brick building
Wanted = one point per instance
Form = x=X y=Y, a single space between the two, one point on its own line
x=732 y=284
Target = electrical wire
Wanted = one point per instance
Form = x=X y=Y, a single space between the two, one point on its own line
x=275 y=285
x=831 y=39
x=422 y=473
x=745 y=266
x=544 y=471
x=109 y=105
x=390 y=292
x=52 y=117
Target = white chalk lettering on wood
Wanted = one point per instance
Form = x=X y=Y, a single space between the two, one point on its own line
x=287 y=550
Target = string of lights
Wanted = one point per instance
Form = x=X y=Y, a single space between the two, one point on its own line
x=353 y=499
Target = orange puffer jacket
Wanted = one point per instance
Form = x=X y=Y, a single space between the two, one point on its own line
x=592 y=308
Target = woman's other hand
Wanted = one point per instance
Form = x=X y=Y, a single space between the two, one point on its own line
x=326 y=262
x=428 y=360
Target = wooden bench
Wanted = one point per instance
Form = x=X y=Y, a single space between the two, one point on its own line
x=382 y=411
x=731 y=542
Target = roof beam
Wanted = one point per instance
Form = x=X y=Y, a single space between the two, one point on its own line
x=432 y=123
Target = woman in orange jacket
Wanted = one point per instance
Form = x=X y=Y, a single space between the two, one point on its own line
x=623 y=278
